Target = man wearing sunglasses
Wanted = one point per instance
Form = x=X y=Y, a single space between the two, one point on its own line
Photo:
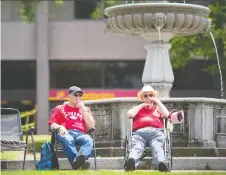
x=73 y=120
x=148 y=128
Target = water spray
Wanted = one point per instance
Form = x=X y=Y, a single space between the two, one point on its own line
x=219 y=66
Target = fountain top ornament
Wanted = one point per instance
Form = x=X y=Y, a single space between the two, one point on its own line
x=145 y=19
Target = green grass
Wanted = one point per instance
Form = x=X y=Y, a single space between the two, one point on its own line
x=39 y=140
x=105 y=173
x=15 y=155
x=9 y=155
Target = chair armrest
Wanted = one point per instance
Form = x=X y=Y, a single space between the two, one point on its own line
x=53 y=136
x=91 y=130
x=54 y=130
x=30 y=131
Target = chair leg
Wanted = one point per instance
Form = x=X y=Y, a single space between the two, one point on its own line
x=56 y=149
x=34 y=153
x=25 y=152
x=126 y=150
x=33 y=148
x=95 y=158
x=171 y=158
x=143 y=155
x=95 y=153
x=55 y=143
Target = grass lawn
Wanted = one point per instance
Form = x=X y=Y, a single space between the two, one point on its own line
x=9 y=155
x=105 y=173
x=16 y=155
x=39 y=138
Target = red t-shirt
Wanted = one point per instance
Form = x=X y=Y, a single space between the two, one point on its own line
x=148 y=117
x=69 y=117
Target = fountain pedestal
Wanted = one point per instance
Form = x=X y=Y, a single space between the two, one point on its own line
x=157 y=70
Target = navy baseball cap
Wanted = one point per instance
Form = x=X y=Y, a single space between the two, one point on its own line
x=74 y=89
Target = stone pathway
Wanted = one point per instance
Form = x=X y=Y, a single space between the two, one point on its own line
x=29 y=156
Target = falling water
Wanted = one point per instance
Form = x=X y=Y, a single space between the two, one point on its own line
x=219 y=67
x=160 y=37
x=160 y=50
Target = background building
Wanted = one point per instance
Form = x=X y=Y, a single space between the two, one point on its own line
x=64 y=47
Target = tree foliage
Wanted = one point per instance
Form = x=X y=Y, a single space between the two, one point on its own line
x=185 y=49
x=27 y=13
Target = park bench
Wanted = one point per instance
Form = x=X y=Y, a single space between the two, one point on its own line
x=12 y=136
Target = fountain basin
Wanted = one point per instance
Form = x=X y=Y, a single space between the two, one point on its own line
x=141 y=19
x=204 y=124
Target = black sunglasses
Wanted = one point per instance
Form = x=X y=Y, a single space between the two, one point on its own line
x=150 y=95
x=77 y=95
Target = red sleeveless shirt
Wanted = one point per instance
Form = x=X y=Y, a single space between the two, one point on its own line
x=148 y=117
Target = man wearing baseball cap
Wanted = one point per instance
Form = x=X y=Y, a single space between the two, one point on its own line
x=148 y=128
x=73 y=120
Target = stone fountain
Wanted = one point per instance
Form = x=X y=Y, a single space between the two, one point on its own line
x=157 y=22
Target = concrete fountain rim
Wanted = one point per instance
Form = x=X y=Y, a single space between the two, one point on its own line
x=171 y=7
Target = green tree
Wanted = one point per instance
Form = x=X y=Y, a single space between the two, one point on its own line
x=98 y=13
x=201 y=45
x=27 y=13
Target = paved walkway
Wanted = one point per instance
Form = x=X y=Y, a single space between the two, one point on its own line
x=29 y=156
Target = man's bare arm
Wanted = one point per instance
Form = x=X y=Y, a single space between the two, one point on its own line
x=62 y=130
x=55 y=126
x=88 y=117
x=162 y=108
x=133 y=111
